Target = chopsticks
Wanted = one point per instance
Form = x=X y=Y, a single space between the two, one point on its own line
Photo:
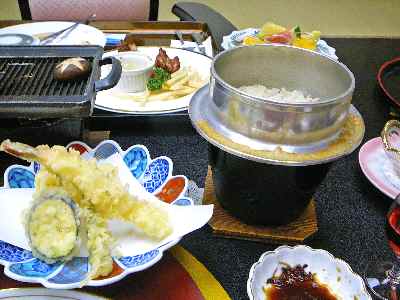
x=54 y=35
x=199 y=43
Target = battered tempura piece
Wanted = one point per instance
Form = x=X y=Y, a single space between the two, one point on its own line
x=99 y=244
x=93 y=186
x=52 y=226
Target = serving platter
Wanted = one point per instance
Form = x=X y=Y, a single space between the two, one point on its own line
x=235 y=38
x=154 y=175
x=81 y=35
x=115 y=101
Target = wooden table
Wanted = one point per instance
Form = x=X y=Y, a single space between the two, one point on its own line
x=146 y=33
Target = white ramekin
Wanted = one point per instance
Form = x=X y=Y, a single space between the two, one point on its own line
x=134 y=80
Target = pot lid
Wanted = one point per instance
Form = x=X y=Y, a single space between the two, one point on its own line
x=209 y=127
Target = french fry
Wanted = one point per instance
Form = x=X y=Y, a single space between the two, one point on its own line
x=168 y=95
x=179 y=84
x=196 y=83
x=178 y=73
x=175 y=79
x=182 y=82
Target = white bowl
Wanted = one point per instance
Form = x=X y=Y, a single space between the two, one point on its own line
x=333 y=272
x=136 y=69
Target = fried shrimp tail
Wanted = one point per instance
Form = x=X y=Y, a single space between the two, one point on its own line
x=20 y=150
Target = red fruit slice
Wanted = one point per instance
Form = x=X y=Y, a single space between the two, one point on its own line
x=280 y=38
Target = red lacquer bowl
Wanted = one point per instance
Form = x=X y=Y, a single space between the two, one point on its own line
x=389 y=80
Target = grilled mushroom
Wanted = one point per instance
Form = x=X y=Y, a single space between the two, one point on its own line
x=72 y=68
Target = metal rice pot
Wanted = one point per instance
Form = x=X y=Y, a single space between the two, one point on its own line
x=299 y=127
x=263 y=194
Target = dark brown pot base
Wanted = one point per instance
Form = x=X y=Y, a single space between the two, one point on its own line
x=263 y=194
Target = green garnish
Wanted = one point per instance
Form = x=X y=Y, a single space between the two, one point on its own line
x=162 y=74
x=156 y=81
x=154 y=84
x=297 y=31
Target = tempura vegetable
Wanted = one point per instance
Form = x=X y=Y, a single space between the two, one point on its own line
x=99 y=244
x=92 y=186
x=52 y=226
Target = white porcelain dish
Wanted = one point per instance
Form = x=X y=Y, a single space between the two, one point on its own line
x=46 y=294
x=333 y=272
x=136 y=69
x=16 y=39
x=115 y=101
x=81 y=35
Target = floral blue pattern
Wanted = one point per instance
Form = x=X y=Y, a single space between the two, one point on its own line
x=183 y=202
x=152 y=174
x=156 y=174
x=138 y=260
x=34 y=268
x=20 y=178
x=36 y=167
x=105 y=150
x=136 y=160
x=13 y=253
x=73 y=271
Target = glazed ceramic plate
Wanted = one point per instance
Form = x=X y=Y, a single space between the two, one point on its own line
x=389 y=80
x=81 y=35
x=333 y=272
x=378 y=168
x=152 y=176
x=235 y=38
x=115 y=101
x=45 y=294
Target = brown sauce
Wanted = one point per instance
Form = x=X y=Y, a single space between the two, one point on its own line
x=296 y=284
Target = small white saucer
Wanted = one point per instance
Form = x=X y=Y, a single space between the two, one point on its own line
x=16 y=39
x=378 y=168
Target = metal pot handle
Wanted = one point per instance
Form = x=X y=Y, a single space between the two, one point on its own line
x=113 y=77
x=391 y=127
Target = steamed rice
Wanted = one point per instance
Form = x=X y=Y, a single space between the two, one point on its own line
x=279 y=95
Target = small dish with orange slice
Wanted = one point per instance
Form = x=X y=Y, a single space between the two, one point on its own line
x=271 y=33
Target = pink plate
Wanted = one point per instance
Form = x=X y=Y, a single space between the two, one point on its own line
x=376 y=167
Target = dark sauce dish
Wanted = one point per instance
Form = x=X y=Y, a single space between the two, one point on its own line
x=389 y=80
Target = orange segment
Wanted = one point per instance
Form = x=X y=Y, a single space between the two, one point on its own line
x=252 y=40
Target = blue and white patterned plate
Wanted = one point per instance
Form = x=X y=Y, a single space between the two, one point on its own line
x=235 y=38
x=155 y=175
